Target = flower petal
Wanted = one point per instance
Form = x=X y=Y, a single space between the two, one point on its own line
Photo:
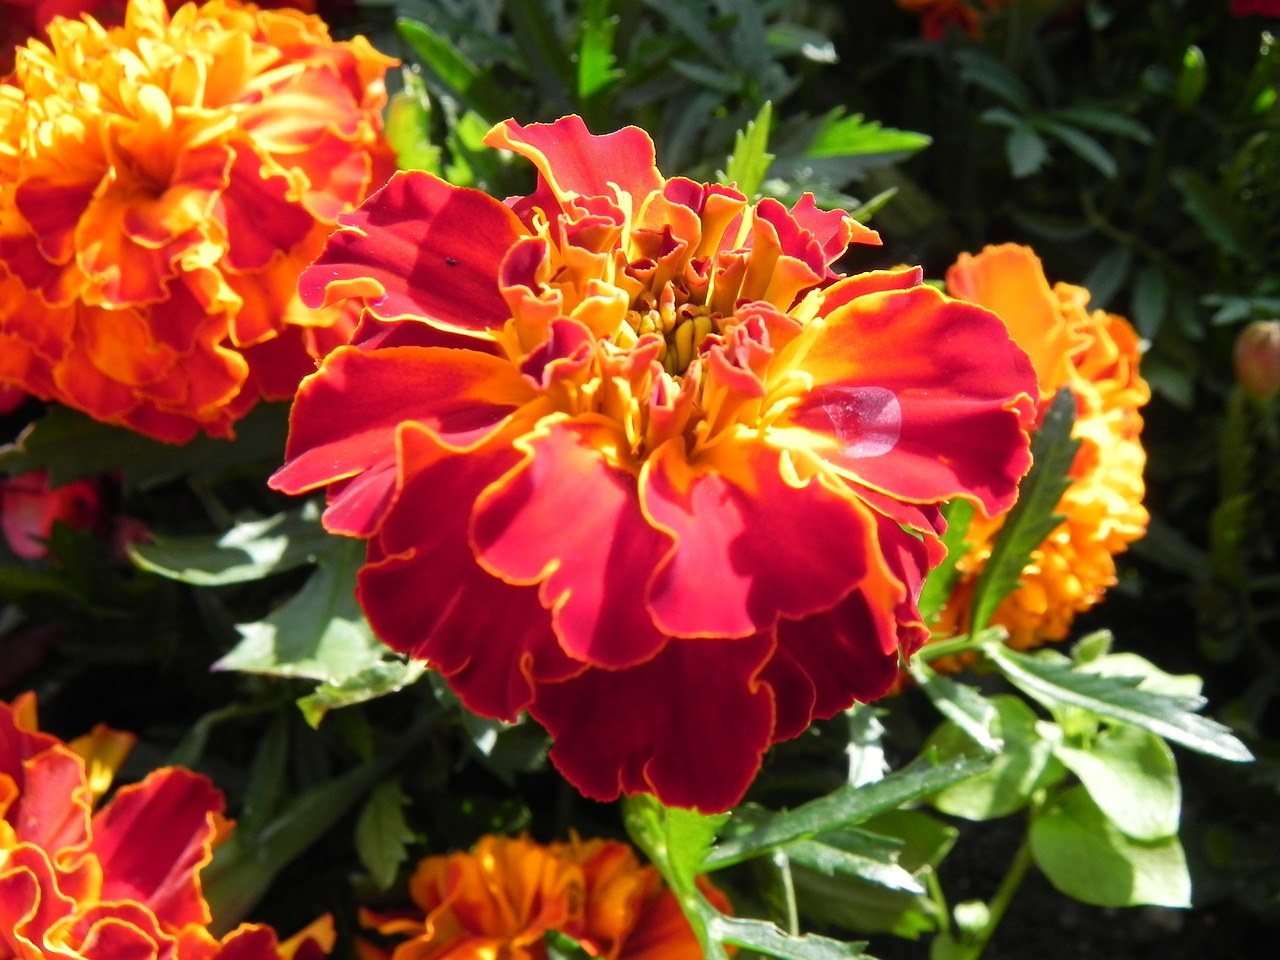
x=745 y=542
x=153 y=838
x=690 y=726
x=345 y=416
x=491 y=640
x=419 y=248
x=591 y=551
x=920 y=397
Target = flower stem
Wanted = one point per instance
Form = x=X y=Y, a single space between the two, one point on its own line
x=972 y=947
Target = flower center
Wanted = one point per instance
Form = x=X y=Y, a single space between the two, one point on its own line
x=683 y=326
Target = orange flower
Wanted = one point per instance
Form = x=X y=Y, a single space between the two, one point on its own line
x=501 y=899
x=162 y=184
x=119 y=882
x=1094 y=354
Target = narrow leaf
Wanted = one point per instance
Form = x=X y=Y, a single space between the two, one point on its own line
x=750 y=161
x=1032 y=517
x=960 y=703
x=942 y=578
x=765 y=938
x=596 y=69
x=1055 y=682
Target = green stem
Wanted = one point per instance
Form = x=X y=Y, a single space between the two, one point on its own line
x=972 y=947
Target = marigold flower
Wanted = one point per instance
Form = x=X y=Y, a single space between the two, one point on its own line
x=162 y=184
x=632 y=456
x=939 y=17
x=29 y=507
x=501 y=899
x=121 y=881
x=1095 y=354
x=1263 y=8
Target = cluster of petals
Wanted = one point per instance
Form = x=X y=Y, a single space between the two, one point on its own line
x=162 y=184
x=1094 y=354
x=121 y=881
x=940 y=17
x=502 y=898
x=30 y=506
x=631 y=455
x=1262 y=8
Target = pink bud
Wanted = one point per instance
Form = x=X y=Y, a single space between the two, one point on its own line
x=1258 y=358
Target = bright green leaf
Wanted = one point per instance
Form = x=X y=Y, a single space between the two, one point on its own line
x=942 y=578
x=1032 y=517
x=1132 y=777
x=971 y=713
x=408 y=126
x=596 y=69
x=768 y=939
x=376 y=680
x=561 y=946
x=1086 y=857
x=750 y=160
x=382 y=836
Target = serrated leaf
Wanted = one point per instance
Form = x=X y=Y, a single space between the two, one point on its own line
x=750 y=161
x=1087 y=858
x=942 y=578
x=251 y=550
x=983 y=70
x=855 y=853
x=765 y=938
x=855 y=136
x=1032 y=517
x=382 y=836
x=376 y=680
x=1055 y=682
x=1025 y=150
x=319 y=633
x=973 y=714
x=845 y=806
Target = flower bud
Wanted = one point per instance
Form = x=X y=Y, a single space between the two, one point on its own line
x=1258 y=358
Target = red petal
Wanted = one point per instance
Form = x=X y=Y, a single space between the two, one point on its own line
x=690 y=726
x=30 y=901
x=419 y=248
x=426 y=596
x=750 y=547
x=153 y=838
x=572 y=162
x=570 y=520
x=922 y=398
x=345 y=416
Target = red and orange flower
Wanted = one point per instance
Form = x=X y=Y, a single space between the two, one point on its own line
x=940 y=17
x=631 y=455
x=502 y=899
x=162 y=184
x=121 y=881
x=1094 y=354
x=29 y=507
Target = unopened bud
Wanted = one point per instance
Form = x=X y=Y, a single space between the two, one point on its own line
x=1258 y=358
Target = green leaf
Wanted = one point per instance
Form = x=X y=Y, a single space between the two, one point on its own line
x=1086 y=857
x=1025 y=150
x=376 y=680
x=971 y=713
x=845 y=806
x=408 y=126
x=856 y=853
x=251 y=550
x=455 y=71
x=1150 y=301
x=1024 y=766
x=1080 y=143
x=1107 y=276
x=1132 y=777
x=766 y=938
x=1032 y=517
x=855 y=136
x=1216 y=213
x=943 y=578
x=318 y=633
x=72 y=445
x=561 y=946
x=980 y=68
x=382 y=836
x=750 y=161
x=596 y=71
x=1055 y=682
x=1107 y=121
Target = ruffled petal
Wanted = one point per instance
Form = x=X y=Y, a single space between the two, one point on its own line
x=922 y=398
x=152 y=840
x=690 y=726
x=590 y=552
x=493 y=641
x=745 y=542
x=344 y=420
x=419 y=248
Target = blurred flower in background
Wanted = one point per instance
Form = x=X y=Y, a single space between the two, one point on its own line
x=1095 y=355
x=1263 y=8
x=632 y=456
x=502 y=898
x=162 y=184
x=119 y=881
x=1257 y=358
x=29 y=507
